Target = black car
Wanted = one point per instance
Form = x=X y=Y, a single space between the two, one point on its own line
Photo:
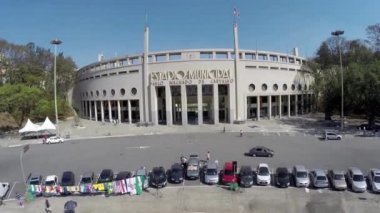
x=260 y=151
x=246 y=176
x=106 y=176
x=68 y=179
x=123 y=175
x=158 y=177
x=176 y=173
x=282 y=177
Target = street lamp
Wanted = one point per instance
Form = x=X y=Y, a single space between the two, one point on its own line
x=337 y=34
x=55 y=42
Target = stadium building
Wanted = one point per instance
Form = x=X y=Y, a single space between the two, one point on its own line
x=195 y=86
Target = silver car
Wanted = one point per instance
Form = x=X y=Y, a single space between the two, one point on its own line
x=332 y=136
x=301 y=176
x=356 y=180
x=374 y=180
x=211 y=173
x=319 y=178
x=4 y=188
x=337 y=180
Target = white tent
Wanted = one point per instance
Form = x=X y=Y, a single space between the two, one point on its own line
x=29 y=127
x=47 y=125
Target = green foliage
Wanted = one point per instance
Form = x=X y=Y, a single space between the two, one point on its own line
x=361 y=68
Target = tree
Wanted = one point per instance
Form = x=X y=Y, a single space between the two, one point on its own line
x=373 y=35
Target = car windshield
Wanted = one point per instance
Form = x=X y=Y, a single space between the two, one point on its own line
x=229 y=172
x=86 y=180
x=34 y=182
x=376 y=179
x=211 y=172
x=158 y=173
x=263 y=171
x=302 y=174
x=339 y=177
x=283 y=175
x=246 y=173
x=66 y=179
x=105 y=175
x=50 y=183
x=177 y=171
x=321 y=178
x=358 y=178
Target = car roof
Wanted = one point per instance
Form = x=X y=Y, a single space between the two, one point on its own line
x=245 y=168
x=337 y=172
x=67 y=173
x=263 y=165
x=51 y=177
x=88 y=174
x=158 y=168
x=319 y=172
x=300 y=168
x=176 y=166
x=262 y=147
x=35 y=176
x=282 y=170
x=376 y=172
x=211 y=165
x=355 y=171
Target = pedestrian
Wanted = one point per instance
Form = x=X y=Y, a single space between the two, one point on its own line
x=19 y=200
x=183 y=161
x=241 y=133
x=2 y=201
x=224 y=129
x=208 y=156
x=47 y=206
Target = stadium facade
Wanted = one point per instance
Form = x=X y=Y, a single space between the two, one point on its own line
x=195 y=86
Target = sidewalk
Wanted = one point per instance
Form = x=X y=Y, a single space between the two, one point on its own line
x=309 y=124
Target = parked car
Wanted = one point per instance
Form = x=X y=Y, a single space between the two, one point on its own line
x=331 y=136
x=158 y=177
x=337 y=180
x=356 y=180
x=4 y=188
x=176 y=173
x=245 y=176
x=87 y=178
x=211 y=174
x=192 y=170
x=68 y=179
x=319 y=178
x=263 y=175
x=374 y=180
x=36 y=180
x=106 y=176
x=51 y=182
x=123 y=175
x=260 y=151
x=228 y=174
x=54 y=139
x=301 y=176
x=282 y=177
x=143 y=173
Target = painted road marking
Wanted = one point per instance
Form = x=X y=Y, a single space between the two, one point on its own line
x=10 y=191
x=307 y=190
x=137 y=147
x=320 y=191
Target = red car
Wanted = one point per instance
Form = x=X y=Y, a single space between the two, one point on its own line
x=228 y=175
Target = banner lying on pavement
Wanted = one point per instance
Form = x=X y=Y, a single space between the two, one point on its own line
x=131 y=186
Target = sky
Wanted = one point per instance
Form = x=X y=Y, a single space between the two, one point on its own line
x=116 y=27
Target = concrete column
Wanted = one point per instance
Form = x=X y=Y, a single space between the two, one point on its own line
x=96 y=110
x=82 y=107
x=141 y=109
x=302 y=105
x=109 y=110
x=200 y=104
x=216 y=103
x=296 y=105
x=231 y=101
x=154 y=111
x=279 y=106
x=129 y=112
x=270 y=107
x=168 y=99
x=288 y=105
x=118 y=111
x=90 y=102
x=184 y=104
x=258 y=107
x=102 y=110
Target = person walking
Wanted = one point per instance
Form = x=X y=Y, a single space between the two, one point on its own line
x=208 y=156
x=19 y=200
x=241 y=133
x=47 y=206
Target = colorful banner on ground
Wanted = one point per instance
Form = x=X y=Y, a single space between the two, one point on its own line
x=131 y=186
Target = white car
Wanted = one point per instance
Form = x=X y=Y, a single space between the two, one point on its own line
x=374 y=180
x=332 y=136
x=263 y=174
x=54 y=139
x=4 y=188
x=356 y=180
x=51 y=183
